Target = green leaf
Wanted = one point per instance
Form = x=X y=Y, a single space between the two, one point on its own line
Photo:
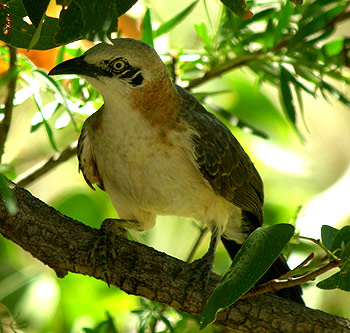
x=203 y=35
x=287 y=99
x=257 y=254
x=167 y=26
x=286 y=12
x=335 y=93
x=334 y=47
x=7 y=195
x=328 y=234
x=36 y=11
x=56 y=88
x=345 y=255
x=238 y=7
x=20 y=32
x=93 y=20
x=340 y=280
x=341 y=239
x=286 y=94
x=146 y=28
x=36 y=98
x=317 y=24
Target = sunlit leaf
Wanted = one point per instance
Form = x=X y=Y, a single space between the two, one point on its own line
x=36 y=98
x=146 y=28
x=167 y=26
x=283 y=21
x=203 y=35
x=335 y=93
x=257 y=254
x=56 y=88
x=334 y=47
x=317 y=24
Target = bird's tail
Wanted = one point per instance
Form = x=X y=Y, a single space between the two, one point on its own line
x=278 y=268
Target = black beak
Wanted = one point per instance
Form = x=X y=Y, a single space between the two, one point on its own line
x=77 y=66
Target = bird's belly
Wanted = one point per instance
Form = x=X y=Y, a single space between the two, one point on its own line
x=156 y=176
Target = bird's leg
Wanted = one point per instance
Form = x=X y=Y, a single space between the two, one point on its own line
x=104 y=247
x=202 y=267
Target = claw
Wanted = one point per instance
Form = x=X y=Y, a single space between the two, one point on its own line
x=104 y=247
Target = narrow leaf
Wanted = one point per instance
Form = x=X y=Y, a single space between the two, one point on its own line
x=328 y=234
x=47 y=126
x=287 y=97
x=36 y=37
x=167 y=26
x=335 y=93
x=257 y=254
x=238 y=7
x=286 y=12
x=317 y=24
x=340 y=280
x=146 y=28
x=57 y=89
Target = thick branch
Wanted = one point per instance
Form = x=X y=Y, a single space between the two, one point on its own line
x=64 y=245
x=11 y=88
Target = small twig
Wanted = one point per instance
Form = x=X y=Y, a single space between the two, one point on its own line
x=203 y=232
x=302 y=264
x=11 y=89
x=275 y=285
x=228 y=66
x=318 y=243
x=53 y=161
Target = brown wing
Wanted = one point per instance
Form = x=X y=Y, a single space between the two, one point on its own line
x=222 y=160
x=87 y=161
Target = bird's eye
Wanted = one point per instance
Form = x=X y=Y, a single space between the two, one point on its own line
x=119 y=64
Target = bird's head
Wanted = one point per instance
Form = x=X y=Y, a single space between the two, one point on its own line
x=120 y=70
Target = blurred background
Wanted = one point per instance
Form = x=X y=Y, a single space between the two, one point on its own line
x=307 y=182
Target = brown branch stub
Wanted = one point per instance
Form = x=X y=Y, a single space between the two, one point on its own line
x=11 y=89
x=64 y=244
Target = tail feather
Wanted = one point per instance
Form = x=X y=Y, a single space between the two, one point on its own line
x=278 y=268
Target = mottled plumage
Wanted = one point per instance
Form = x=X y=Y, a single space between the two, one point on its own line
x=155 y=150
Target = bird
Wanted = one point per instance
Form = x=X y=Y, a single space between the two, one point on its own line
x=155 y=150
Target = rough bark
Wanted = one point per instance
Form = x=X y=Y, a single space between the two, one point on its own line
x=64 y=245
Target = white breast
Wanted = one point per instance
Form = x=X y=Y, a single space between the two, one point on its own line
x=146 y=173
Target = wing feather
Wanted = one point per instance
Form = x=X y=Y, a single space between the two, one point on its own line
x=222 y=160
x=87 y=161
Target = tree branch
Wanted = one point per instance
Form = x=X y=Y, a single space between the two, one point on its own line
x=11 y=89
x=64 y=244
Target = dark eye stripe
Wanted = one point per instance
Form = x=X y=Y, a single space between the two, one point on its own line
x=137 y=80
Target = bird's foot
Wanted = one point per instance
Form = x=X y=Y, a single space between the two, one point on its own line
x=103 y=250
x=199 y=271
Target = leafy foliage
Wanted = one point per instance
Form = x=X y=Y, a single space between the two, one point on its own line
x=264 y=245
x=338 y=242
x=93 y=20
x=294 y=49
